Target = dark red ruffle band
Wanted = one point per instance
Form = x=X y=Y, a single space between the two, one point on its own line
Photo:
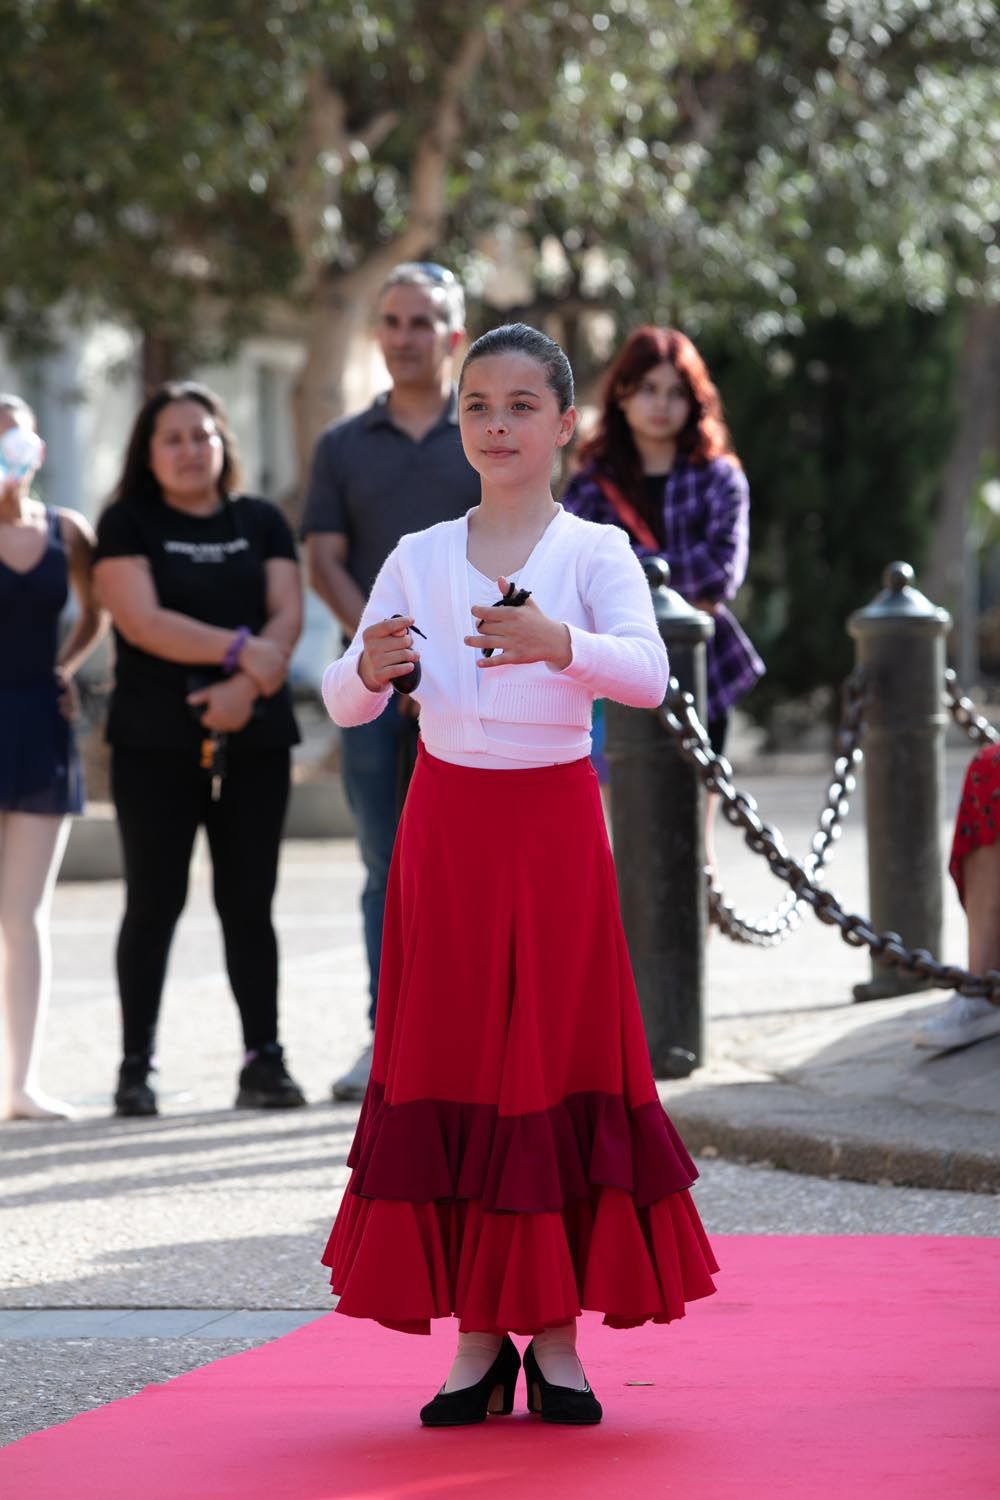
x=429 y=1150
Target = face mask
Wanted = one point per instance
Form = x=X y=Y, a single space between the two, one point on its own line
x=20 y=452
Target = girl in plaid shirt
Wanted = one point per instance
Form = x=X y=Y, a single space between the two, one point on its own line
x=660 y=464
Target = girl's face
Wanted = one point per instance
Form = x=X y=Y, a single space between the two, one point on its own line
x=186 y=454
x=510 y=420
x=414 y=335
x=17 y=484
x=658 y=407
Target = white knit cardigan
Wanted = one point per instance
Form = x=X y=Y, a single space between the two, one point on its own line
x=581 y=573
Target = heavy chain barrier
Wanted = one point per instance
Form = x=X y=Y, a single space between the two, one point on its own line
x=963 y=711
x=679 y=717
x=779 y=924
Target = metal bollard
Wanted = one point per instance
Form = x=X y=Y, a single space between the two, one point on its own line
x=900 y=645
x=658 y=832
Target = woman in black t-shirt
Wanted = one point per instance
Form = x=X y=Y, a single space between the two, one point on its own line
x=204 y=591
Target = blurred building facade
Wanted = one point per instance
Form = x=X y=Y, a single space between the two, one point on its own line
x=87 y=391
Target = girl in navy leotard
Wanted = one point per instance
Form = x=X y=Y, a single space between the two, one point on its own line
x=43 y=554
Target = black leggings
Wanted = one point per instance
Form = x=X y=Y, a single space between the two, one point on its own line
x=161 y=798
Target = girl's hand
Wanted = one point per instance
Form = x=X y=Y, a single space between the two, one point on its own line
x=523 y=635
x=68 y=698
x=265 y=662
x=228 y=704
x=388 y=653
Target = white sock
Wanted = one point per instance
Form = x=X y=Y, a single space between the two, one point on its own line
x=555 y=1351
x=475 y=1353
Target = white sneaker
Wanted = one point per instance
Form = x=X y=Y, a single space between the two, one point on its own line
x=355 y=1081
x=964 y=1019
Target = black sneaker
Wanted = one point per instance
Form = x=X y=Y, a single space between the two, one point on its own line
x=265 y=1082
x=134 y=1096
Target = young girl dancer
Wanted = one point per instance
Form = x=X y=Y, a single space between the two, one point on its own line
x=512 y=1163
x=44 y=556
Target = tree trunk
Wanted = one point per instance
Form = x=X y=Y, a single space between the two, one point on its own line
x=337 y=312
x=339 y=303
x=159 y=361
x=979 y=419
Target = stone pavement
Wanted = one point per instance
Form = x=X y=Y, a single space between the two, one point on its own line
x=799 y=1076
x=133 y=1250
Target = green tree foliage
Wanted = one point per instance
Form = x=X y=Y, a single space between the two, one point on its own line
x=803 y=180
x=131 y=170
x=183 y=151
x=754 y=158
x=804 y=157
x=842 y=432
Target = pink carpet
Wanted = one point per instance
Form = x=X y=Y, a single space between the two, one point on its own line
x=825 y=1368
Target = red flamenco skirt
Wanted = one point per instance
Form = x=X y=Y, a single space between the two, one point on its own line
x=512 y=1163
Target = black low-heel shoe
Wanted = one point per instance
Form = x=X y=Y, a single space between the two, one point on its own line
x=558 y=1403
x=493 y=1394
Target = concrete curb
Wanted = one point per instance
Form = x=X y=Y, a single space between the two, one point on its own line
x=882 y=1142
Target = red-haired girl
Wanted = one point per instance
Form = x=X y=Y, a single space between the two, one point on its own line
x=660 y=464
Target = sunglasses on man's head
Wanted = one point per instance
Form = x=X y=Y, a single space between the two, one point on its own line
x=437 y=273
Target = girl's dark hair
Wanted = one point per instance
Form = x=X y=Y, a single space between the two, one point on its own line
x=704 y=436
x=137 y=481
x=519 y=338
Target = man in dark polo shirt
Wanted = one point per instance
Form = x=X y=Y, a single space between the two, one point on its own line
x=394 y=468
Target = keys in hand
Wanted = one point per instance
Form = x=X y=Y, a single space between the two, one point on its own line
x=213 y=760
